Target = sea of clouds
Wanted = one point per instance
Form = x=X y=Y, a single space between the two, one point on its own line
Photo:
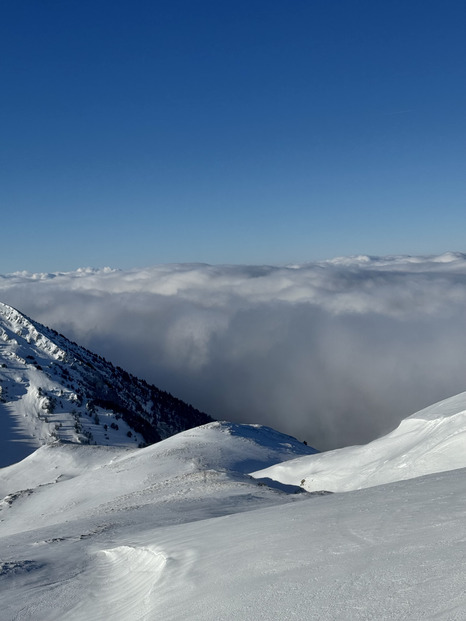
x=334 y=353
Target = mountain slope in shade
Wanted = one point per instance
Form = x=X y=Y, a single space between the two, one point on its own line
x=52 y=389
x=431 y=440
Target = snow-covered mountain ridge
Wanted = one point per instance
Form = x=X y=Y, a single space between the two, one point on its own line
x=202 y=463
x=431 y=440
x=56 y=390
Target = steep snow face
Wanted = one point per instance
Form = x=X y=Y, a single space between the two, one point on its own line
x=51 y=389
x=432 y=440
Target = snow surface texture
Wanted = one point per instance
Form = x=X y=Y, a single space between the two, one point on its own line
x=51 y=389
x=335 y=352
x=180 y=531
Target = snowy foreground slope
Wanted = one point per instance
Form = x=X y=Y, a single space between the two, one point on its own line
x=67 y=508
x=180 y=531
x=432 y=440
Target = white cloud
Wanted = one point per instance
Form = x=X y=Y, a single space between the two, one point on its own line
x=334 y=352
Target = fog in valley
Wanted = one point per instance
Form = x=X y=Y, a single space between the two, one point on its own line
x=334 y=353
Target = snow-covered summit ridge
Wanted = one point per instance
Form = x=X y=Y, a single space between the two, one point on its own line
x=453 y=406
x=206 y=464
x=238 y=447
x=431 y=440
x=51 y=389
x=220 y=446
x=13 y=322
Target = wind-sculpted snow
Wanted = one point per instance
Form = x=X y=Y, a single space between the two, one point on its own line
x=115 y=579
x=432 y=440
x=335 y=352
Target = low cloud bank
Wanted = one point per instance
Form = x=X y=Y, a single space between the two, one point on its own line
x=335 y=352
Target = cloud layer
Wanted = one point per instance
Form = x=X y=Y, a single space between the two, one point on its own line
x=335 y=352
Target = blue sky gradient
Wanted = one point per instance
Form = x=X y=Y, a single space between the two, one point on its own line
x=136 y=133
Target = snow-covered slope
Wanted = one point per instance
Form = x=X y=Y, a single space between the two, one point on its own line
x=176 y=531
x=64 y=506
x=197 y=464
x=432 y=440
x=52 y=389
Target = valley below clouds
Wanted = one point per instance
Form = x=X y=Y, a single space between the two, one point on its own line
x=334 y=352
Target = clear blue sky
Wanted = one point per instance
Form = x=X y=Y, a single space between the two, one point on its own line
x=259 y=131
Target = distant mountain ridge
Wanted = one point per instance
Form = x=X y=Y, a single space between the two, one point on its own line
x=58 y=390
